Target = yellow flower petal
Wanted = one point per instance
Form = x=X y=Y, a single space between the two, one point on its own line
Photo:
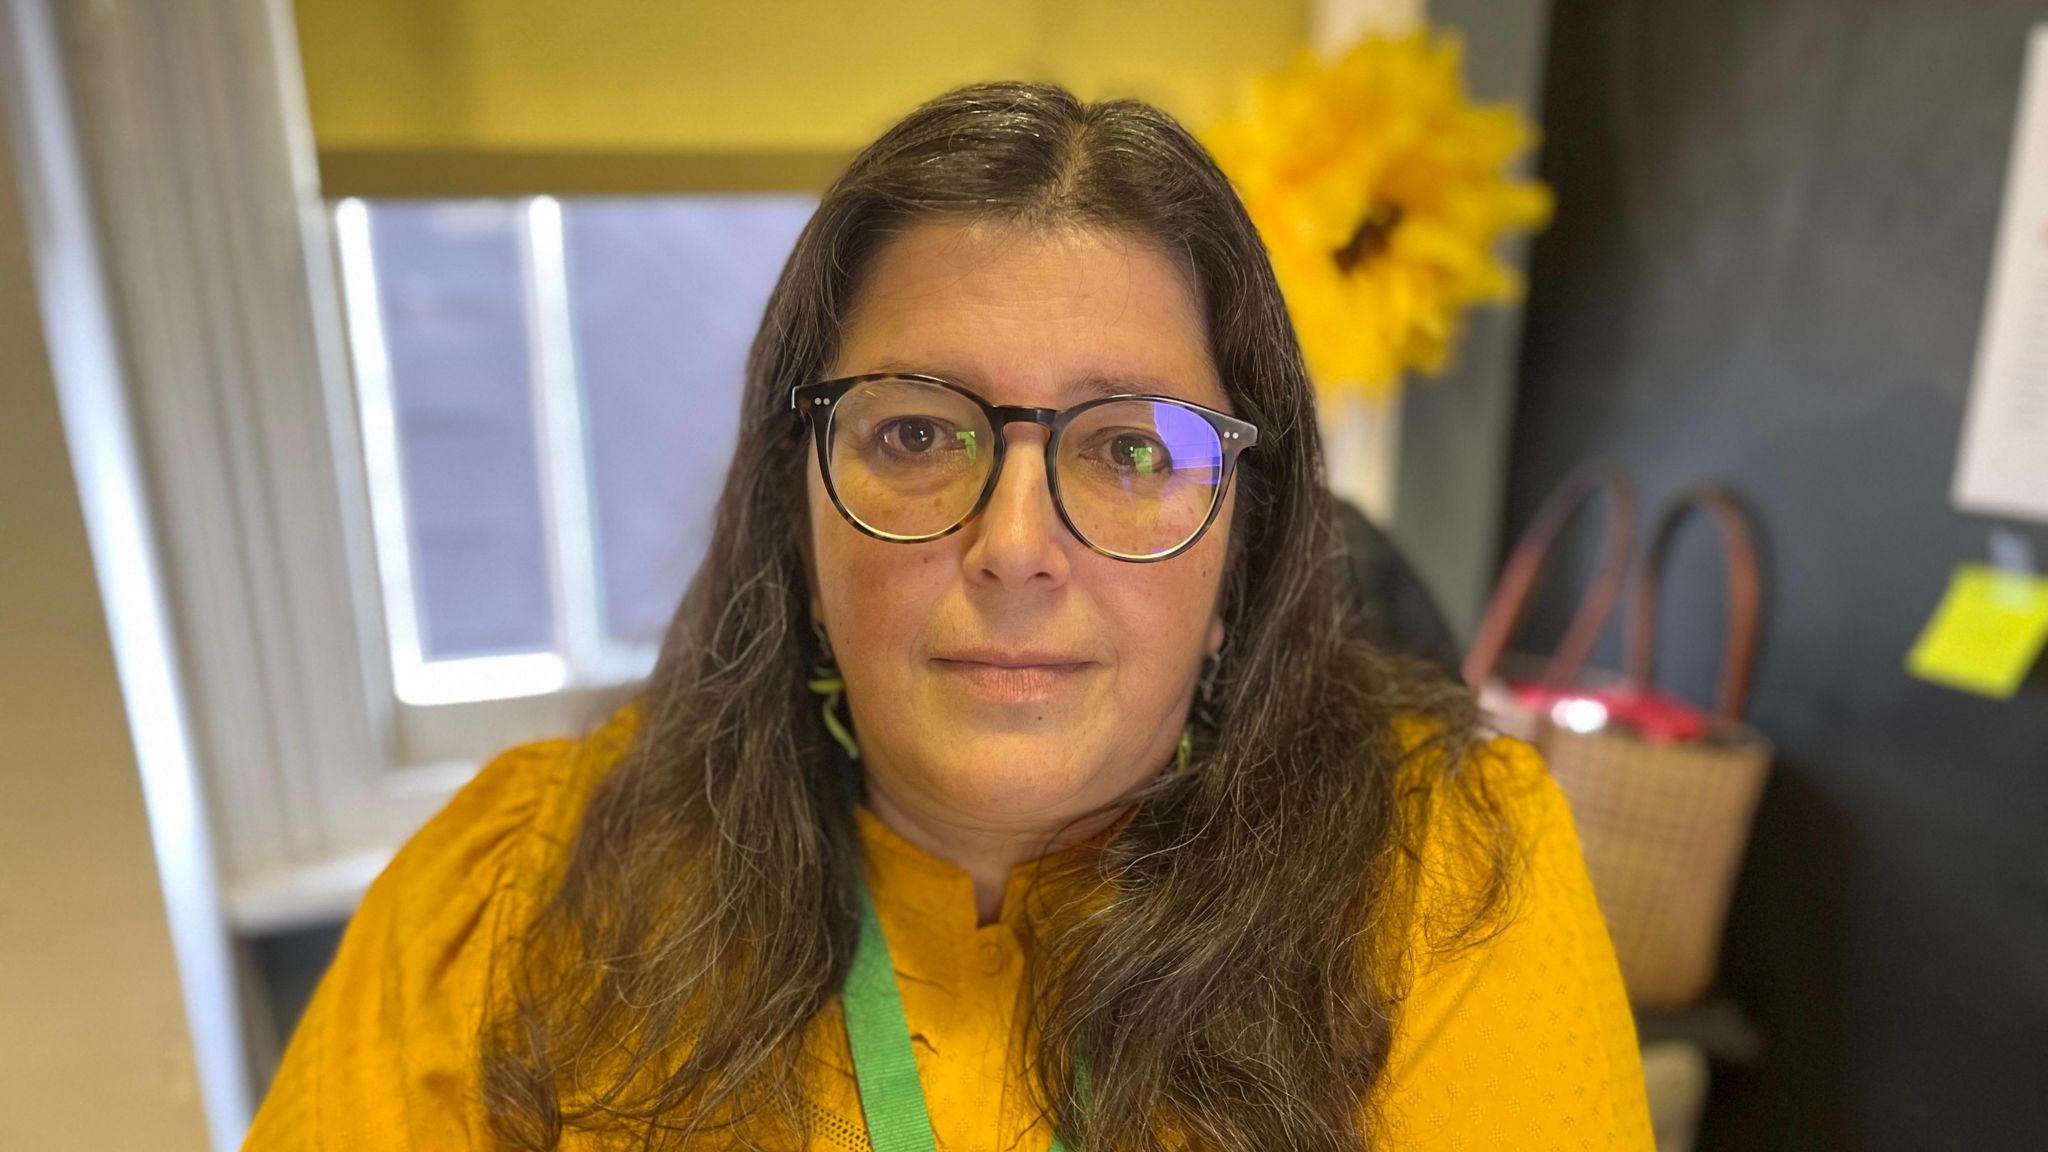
x=1383 y=133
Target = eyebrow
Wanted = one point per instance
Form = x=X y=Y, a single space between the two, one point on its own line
x=1089 y=387
x=1099 y=385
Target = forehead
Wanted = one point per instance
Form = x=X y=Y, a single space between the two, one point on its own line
x=1025 y=316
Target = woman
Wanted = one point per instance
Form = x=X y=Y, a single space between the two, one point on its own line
x=1012 y=773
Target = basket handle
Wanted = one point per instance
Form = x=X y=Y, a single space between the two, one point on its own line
x=1745 y=596
x=1532 y=555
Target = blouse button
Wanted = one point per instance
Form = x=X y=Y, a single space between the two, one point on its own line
x=994 y=957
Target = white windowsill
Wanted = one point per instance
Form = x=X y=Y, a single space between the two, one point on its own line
x=307 y=896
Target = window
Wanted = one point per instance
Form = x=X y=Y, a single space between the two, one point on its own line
x=549 y=394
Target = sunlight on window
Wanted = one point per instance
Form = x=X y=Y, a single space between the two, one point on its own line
x=549 y=393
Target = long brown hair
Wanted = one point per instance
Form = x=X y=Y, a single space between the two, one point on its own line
x=1240 y=987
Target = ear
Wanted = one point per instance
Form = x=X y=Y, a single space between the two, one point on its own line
x=1213 y=643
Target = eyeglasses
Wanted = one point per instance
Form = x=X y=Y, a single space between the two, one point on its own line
x=910 y=458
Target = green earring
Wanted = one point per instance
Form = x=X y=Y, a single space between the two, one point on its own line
x=1184 y=752
x=828 y=682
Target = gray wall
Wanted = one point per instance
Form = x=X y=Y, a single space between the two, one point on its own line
x=1454 y=430
x=1775 y=228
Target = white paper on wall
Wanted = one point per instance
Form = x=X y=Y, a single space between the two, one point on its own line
x=2003 y=466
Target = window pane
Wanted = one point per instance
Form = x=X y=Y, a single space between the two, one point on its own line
x=452 y=293
x=666 y=296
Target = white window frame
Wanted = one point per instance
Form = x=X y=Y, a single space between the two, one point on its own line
x=66 y=260
x=197 y=153
x=587 y=656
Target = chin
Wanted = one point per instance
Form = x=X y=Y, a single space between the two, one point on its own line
x=1009 y=774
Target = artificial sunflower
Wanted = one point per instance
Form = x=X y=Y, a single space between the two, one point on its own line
x=1382 y=193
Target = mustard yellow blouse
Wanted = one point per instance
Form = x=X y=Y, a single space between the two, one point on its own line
x=1524 y=1042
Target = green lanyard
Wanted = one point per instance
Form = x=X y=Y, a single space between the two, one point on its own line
x=879 y=1037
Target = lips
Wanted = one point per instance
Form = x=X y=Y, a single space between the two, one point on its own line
x=1010 y=677
x=1014 y=659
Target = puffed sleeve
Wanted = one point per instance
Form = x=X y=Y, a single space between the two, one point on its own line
x=384 y=1056
x=1524 y=1039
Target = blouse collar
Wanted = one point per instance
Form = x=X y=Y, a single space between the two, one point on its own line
x=924 y=900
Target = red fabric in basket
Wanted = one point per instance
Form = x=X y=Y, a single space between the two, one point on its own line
x=1652 y=715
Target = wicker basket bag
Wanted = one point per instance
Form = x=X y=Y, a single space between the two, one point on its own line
x=1663 y=809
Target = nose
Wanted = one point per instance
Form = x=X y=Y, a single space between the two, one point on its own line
x=1018 y=540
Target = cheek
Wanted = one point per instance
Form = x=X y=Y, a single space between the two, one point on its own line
x=874 y=596
x=1162 y=611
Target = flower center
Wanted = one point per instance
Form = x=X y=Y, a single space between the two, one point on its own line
x=1371 y=239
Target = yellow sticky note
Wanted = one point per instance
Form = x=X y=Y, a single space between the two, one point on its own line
x=1986 y=634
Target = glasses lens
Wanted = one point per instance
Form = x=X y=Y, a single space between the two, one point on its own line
x=909 y=459
x=1139 y=477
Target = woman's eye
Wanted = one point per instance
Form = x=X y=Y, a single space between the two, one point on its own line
x=1136 y=453
x=913 y=435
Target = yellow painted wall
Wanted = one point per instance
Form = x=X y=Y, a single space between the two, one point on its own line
x=94 y=1050
x=767 y=77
